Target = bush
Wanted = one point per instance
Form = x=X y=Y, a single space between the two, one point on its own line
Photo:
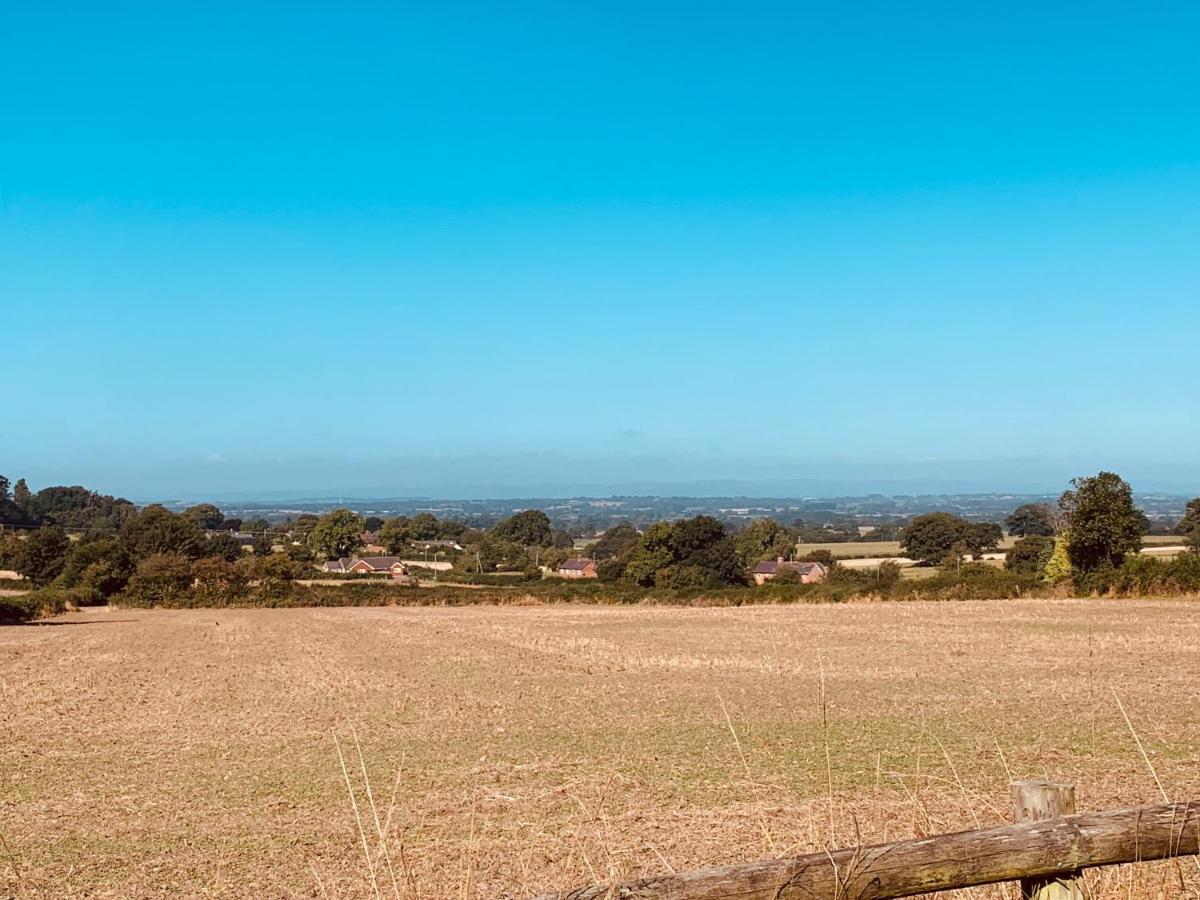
x=974 y=581
x=42 y=603
x=104 y=565
x=161 y=579
x=217 y=582
x=889 y=573
x=1030 y=554
x=1183 y=572
x=1138 y=575
x=1142 y=576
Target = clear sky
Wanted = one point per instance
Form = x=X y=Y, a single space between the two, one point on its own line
x=514 y=248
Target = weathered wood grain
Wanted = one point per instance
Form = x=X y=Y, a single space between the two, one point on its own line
x=943 y=862
x=1036 y=801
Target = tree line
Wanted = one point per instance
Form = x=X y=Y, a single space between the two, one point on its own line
x=99 y=547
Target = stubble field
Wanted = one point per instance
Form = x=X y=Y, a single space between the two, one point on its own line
x=515 y=750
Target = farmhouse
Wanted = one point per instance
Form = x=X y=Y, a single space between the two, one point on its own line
x=336 y=565
x=577 y=568
x=809 y=572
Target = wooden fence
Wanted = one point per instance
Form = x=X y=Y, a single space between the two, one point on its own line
x=1045 y=851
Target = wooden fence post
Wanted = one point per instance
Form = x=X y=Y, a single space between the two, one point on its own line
x=1035 y=801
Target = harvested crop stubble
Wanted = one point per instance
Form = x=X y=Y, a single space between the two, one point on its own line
x=192 y=752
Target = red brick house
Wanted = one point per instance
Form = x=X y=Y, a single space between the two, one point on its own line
x=809 y=572
x=577 y=568
x=377 y=565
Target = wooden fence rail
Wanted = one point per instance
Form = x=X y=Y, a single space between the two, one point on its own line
x=1045 y=855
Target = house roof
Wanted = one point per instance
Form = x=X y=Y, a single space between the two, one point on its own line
x=773 y=567
x=376 y=563
x=577 y=563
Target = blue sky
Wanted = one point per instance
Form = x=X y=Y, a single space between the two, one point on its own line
x=538 y=247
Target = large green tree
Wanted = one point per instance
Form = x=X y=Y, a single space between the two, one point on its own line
x=395 y=534
x=1104 y=524
x=980 y=537
x=22 y=496
x=424 y=527
x=336 y=534
x=763 y=539
x=43 y=554
x=158 y=530
x=653 y=554
x=931 y=537
x=206 y=515
x=77 y=508
x=1031 y=519
x=9 y=513
x=696 y=552
x=530 y=528
x=616 y=542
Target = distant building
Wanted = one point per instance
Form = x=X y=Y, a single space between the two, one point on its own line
x=378 y=565
x=367 y=565
x=809 y=572
x=578 y=568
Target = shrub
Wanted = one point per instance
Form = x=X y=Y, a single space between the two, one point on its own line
x=217 y=582
x=1058 y=566
x=15 y=609
x=1030 y=554
x=42 y=603
x=103 y=565
x=275 y=574
x=888 y=574
x=1183 y=572
x=1138 y=575
x=223 y=545
x=974 y=581
x=161 y=579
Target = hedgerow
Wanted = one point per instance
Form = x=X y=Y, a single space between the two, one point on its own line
x=45 y=602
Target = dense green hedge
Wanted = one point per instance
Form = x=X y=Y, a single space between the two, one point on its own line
x=1139 y=576
x=973 y=582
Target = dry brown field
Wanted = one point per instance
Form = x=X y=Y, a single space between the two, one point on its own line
x=514 y=750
